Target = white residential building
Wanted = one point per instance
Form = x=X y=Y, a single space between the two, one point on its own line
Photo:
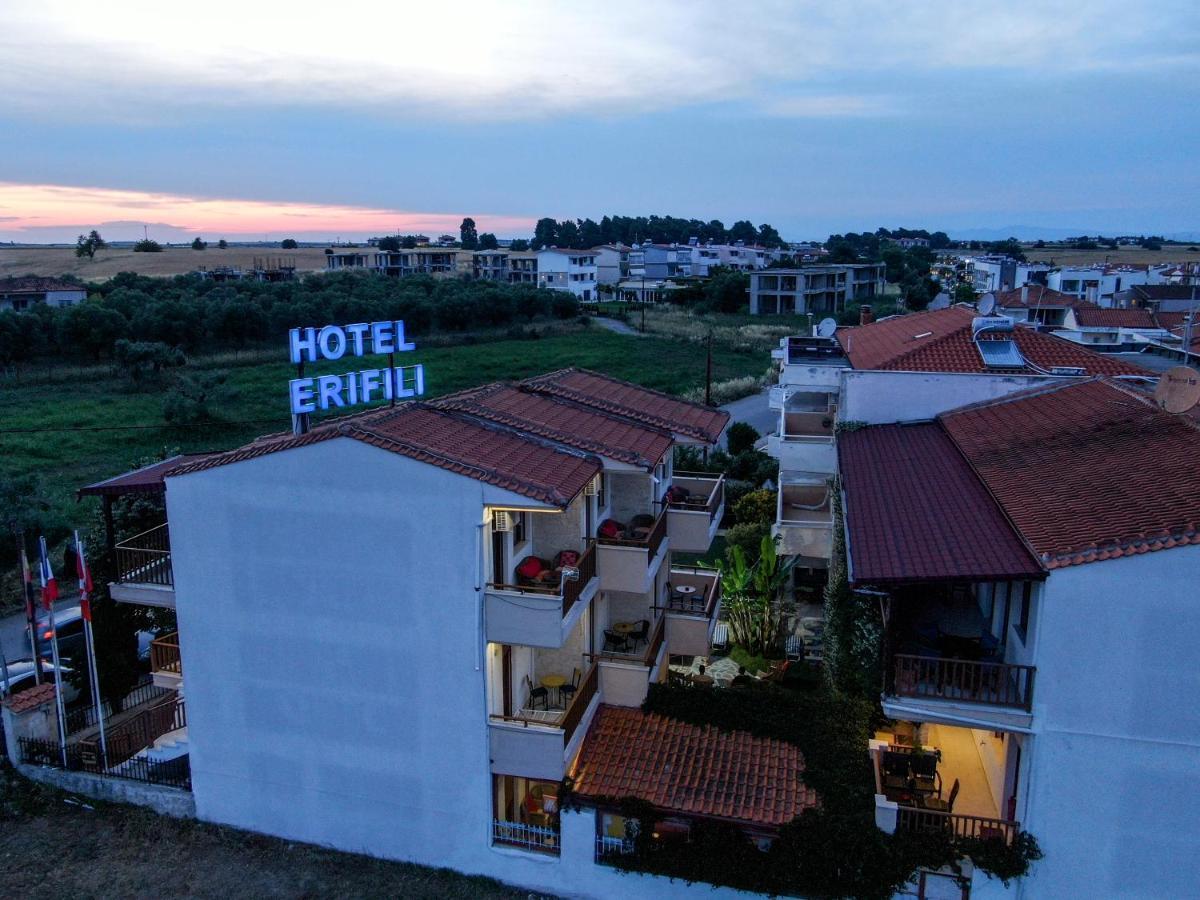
x=568 y=270
x=1097 y=283
x=821 y=290
x=21 y=294
x=612 y=263
x=1003 y=273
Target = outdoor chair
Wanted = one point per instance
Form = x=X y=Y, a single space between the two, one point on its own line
x=937 y=804
x=567 y=691
x=720 y=637
x=925 y=774
x=794 y=648
x=643 y=632
x=615 y=642
x=895 y=770
x=536 y=694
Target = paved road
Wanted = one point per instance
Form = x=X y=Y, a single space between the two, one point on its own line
x=615 y=325
x=754 y=410
x=13 y=641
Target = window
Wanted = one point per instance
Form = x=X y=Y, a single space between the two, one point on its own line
x=520 y=528
x=1022 y=626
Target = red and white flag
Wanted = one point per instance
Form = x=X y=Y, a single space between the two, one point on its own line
x=49 y=584
x=27 y=581
x=85 y=581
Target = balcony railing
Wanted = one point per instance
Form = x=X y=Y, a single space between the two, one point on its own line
x=703 y=602
x=128 y=738
x=956 y=825
x=146 y=558
x=656 y=641
x=650 y=542
x=570 y=591
x=697 y=501
x=608 y=847
x=172 y=773
x=544 y=839
x=969 y=681
x=570 y=718
x=84 y=717
x=164 y=654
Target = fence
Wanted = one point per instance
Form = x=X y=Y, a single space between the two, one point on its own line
x=956 y=825
x=608 y=847
x=146 y=558
x=84 y=717
x=171 y=773
x=126 y=739
x=998 y=684
x=528 y=837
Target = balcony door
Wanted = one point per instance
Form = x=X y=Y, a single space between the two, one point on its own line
x=499 y=557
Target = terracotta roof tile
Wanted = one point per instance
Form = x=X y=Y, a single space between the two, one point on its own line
x=146 y=480
x=632 y=401
x=30 y=699
x=32 y=284
x=940 y=341
x=1087 y=470
x=1039 y=296
x=691 y=769
x=915 y=511
x=519 y=463
x=570 y=423
x=1114 y=318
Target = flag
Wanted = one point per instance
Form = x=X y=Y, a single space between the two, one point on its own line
x=49 y=584
x=27 y=581
x=85 y=580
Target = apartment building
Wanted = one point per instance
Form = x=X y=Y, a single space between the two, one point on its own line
x=1003 y=273
x=819 y=290
x=522 y=266
x=660 y=261
x=490 y=265
x=1036 y=304
x=1099 y=284
x=21 y=294
x=1038 y=623
x=568 y=270
x=468 y=593
x=612 y=263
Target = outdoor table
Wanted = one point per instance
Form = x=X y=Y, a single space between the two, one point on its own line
x=702 y=679
x=554 y=683
x=625 y=627
x=685 y=589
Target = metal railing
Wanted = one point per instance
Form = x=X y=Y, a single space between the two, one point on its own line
x=146 y=558
x=608 y=847
x=84 y=717
x=128 y=738
x=969 y=681
x=572 y=590
x=164 y=654
x=568 y=719
x=957 y=825
x=544 y=839
x=703 y=604
x=650 y=543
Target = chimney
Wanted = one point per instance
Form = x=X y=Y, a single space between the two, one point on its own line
x=1024 y=293
x=865 y=316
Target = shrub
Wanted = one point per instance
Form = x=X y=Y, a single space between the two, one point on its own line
x=147 y=246
x=756 y=507
x=748 y=536
x=741 y=437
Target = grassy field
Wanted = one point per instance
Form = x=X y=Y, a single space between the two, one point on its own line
x=50 y=848
x=1066 y=256
x=78 y=430
x=54 y=261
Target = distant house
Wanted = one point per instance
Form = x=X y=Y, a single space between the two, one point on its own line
x=20 y=294
x=1160 y=297
x=568 y=270
x=1112 y=329
x=820 y=290
x=612 y=262
x=1036 y=304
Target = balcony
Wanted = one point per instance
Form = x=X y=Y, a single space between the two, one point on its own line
x=806 y=439
x=166 y=666
x=541 y=742
x=696 y=510
x=144 y=574
x=629 y=561
x=627 y=671
x=541 y=615
x=962 y=681
x=804 y=518
x=692 y=601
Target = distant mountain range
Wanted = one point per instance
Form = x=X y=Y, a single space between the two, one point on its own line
x=1037 y=232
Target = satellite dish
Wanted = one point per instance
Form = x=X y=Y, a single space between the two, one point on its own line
x=987 y=303
x=1178 y=389
x=826 y=328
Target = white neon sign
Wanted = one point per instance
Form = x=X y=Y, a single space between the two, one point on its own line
x=324 y=392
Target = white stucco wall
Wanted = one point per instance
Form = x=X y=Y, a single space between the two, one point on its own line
x=880 y=397
x=1115 y=773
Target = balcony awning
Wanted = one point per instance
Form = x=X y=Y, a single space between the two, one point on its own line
x=916 y=511
x=146 y=480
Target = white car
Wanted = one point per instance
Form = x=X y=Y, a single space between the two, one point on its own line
x=20 y=678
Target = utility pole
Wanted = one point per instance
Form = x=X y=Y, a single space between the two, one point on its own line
x=708 y=372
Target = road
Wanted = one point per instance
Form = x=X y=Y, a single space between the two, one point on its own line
x=754 y=410
x=13 y=641
x=615 y=325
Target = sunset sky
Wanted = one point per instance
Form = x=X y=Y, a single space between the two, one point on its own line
x=252 y=120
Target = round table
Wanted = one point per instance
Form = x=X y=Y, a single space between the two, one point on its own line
x=625 y=627
x=702 y=679
x=554 y=683
x=685 y=589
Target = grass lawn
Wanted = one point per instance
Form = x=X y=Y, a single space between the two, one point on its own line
x=76 y=431
x=51 y=848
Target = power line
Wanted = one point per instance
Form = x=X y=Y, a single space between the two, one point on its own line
x=4 y=431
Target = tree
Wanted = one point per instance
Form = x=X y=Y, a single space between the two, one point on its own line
x=756 y=508
x=198 y=244
x=87 y=246
x=939 y=240
x=288 y=244
x=768 y=236
x=568 y=235
x=487 y=241
x=519 y=245
x=145 y=245
x=468 y=235
x=964 y=293
x=409 y=242
x=143 y=361
x=390 y=244
x=193 y=397
x=222 y=244
x=726 y=292
x=741 y=437
x=545 y=234
x=743 y=231
x=91 y=328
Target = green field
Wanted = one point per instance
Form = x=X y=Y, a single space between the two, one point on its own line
x=78 y=430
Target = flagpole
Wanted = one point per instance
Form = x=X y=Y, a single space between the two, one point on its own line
x=85 y=594
x=47 y=577
x=30 y=613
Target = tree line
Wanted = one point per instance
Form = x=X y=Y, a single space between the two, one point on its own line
x=581 y=234
x=190 y=314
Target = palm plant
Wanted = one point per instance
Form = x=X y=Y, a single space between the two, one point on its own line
x=751 y=597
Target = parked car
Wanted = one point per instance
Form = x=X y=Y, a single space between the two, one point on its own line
x=20 y=678
x=71 y=641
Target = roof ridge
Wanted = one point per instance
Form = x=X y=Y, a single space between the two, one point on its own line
x=1023 y=394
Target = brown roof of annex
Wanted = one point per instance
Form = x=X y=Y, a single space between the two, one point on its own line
x=582 y=427
x=691 y=769
x=632 y=401
x=33 y=284
x=519 y=463
x=1036 y=296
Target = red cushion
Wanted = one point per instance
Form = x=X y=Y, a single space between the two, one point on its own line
x=610 y=528
x=531 y=567
x=567 y=558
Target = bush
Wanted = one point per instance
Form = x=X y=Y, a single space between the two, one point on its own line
x=741 y=437
x=147 y=246
x=756 y=507
x=748 y=536
x=193 y=397
x=288 y=244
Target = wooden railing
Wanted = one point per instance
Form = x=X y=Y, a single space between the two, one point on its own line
x=126 y=739
x=997 y=684
x=164 y=654
x=650 y=543
x=572 y=590
x=957 y=825
x=146 y=558
x=579 y=703
x=656 y=642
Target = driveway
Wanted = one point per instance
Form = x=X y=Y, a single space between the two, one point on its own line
x=615 y=325
x=754 y=411
x=13 y=641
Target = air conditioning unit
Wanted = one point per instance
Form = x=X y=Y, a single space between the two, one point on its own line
x=501 y=521
x=593 y=487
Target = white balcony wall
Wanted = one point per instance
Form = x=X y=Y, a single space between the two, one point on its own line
x=877 y=398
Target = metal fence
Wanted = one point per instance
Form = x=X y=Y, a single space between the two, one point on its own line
x=527 y=837
x=84 y=717
x=171 y=773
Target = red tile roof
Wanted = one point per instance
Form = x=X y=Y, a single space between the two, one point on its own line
x=146 y=480
x=1114 y=318
x=1087 y=470
x=1039 y=296
x=32 y=284
x=691 y=769
x=641 y=404
x=519 y=463
x=564 y=421
x=30 y=699
x=915 y=511
x=940 y=341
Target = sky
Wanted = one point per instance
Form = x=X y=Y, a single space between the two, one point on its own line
x=252 y=120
